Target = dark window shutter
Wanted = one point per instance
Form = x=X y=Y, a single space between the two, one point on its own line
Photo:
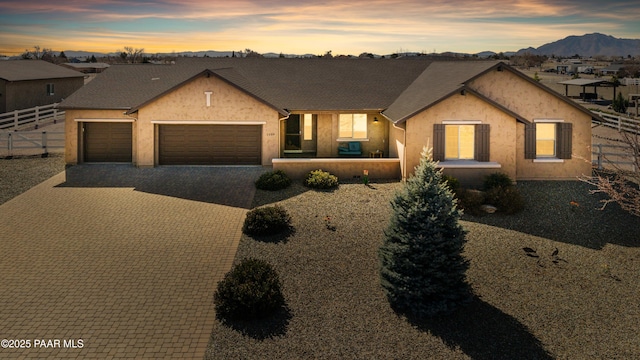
x=438 y=142
x=482 y=142
x=564 y=134
x=530 y=141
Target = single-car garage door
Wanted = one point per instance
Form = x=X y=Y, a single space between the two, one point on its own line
x=107 y=141
x=210 y=144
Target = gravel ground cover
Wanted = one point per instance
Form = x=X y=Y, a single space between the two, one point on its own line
x=580 y=304
x=19 y=174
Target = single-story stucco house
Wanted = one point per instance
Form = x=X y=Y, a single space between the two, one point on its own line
x=340 y=115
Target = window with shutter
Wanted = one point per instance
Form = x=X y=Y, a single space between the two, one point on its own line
x=461 y=142
x=482 y=142
x=564 y=144
x=438 y=142
x=547 y=139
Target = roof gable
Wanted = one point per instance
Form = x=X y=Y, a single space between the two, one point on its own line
x=227 y=75
x=22 y=70
x=436 y=83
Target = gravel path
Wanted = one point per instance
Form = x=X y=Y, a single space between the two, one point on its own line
x=21 y=174
x=584 y=305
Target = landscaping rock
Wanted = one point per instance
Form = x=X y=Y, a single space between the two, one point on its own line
x=489 y=209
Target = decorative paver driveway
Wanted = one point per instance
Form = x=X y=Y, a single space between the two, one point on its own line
x=110 y=261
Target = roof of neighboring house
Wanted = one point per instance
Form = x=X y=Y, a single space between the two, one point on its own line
x=19 y=70
x=397 y=88
x=583 y=82
x=81 y=66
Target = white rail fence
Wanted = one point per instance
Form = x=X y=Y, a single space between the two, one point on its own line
x=620 y=123
x=614 y=157
x=30 y=142
x=35 y=116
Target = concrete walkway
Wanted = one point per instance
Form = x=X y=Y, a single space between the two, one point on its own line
x=119 y=262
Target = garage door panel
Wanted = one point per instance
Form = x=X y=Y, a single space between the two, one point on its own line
x=107 y=142
x=210 y=144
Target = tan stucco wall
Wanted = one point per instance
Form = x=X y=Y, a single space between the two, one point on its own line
x=465 y=108
x=188 y=103
x=507 y=135
x=531 y=102
x=73 y=146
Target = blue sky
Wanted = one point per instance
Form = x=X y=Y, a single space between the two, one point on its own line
x=304 y=26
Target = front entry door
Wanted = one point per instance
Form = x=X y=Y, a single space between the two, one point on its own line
x=300 y=134
x=293 y=135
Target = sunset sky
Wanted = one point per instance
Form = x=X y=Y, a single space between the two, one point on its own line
x=305 y=26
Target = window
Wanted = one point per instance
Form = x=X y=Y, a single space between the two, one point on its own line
x=547 y=140
x=459 y=142
x=468 y=140
x=49 y=89
x=307 y=127
x=353 y=126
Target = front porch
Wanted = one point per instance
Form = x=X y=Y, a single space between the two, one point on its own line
x=343 y=168
x=343 y=144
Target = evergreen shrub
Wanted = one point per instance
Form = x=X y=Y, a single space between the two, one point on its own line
x=264 y=221
x=273 y=180
x=506 y=199
x=497 y=179
x=249 y=291
x=318 y=179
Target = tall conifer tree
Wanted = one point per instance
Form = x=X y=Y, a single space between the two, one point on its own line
x=423 y=271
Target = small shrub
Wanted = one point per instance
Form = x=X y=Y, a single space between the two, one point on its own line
x=268 y=220
x=452 y=182
x=250 y=290
x=318 y=179
x=497 y=180
x=273 y=180
x=507 y=199
x=470 y=201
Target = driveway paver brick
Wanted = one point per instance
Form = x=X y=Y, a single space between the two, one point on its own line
x=119 y=260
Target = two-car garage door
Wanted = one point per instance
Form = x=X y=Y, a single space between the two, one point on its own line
x=178 y=144
x=210 y=144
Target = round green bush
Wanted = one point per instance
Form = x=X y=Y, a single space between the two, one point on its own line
x=264 y=221
x=273 y=180
x=507 y=199
x=497 y=180
x=452 y=182
x=318 y=179
x=470 y=201
x=249 y=291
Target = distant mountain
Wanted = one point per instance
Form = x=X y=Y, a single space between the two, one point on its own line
x=588 y=45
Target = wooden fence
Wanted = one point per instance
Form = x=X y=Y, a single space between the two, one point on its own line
x=35 y=116
x=619 y=122
x=30 y=142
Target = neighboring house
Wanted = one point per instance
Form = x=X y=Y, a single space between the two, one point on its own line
x=87 y=68
x=294 y=114
x=28 y=83
x=612 y=69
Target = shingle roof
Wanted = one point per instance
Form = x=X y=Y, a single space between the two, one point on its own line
x=398 y=88
x=292 y=84
x=435 y=83
x=19 y=70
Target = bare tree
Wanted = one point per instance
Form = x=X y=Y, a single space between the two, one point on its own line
x=621 y=184
x=133 y=54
